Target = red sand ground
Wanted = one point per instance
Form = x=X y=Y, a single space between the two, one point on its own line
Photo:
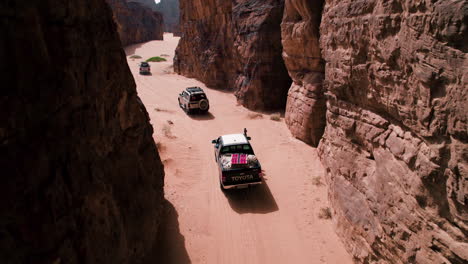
x=275 y=223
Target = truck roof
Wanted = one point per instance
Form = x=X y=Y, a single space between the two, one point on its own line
x=234 y=139
x=194 y=90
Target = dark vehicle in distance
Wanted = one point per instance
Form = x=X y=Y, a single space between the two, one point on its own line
x=145 y=68
x=237 y=164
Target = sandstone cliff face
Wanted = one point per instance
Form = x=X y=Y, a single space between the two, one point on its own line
x=235 y=46
x=261 y=81
x=82 y=181
x=170 y=11
x=305 y=109
x=205 y=49
x=136 y=23
x=395 y=144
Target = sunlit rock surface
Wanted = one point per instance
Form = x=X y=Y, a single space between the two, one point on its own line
x=395 y=144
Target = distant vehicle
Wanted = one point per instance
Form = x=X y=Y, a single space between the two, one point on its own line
x=237 y=164
x=194 y=99
x=145 y=68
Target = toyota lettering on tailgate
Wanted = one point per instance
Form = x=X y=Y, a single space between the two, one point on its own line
x=242 y=178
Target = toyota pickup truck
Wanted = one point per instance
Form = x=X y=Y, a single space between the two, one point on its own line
x=237 y=164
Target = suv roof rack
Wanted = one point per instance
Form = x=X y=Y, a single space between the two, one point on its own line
x=194 y=89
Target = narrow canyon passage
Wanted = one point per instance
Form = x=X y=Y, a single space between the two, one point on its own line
x=277 y=222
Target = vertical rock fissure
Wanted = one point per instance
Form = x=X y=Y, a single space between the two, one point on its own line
x=306 y=103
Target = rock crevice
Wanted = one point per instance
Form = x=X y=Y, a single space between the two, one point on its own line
x=305 y=109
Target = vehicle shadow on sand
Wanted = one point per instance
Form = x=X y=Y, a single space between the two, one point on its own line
x=202 y=117
x=255 y=200
x=170 y=246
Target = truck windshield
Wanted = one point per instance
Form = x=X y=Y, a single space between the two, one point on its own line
x=244 y=148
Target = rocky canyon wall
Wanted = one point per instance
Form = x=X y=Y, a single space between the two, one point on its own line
x=235 y=45
x=82 y=181
x=395 y=144
x=380 y=86
x=136 y=22
x=305 y=109
x=169 y=9
x=171 y=13
x=205 y=49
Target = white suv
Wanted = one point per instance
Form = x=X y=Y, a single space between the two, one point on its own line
x=193 y=99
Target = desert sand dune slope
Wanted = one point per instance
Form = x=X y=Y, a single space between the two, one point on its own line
x=277 y=222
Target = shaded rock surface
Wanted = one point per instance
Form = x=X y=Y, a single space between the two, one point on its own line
x=305 y=109
x=82 y=181
x=235 y=46
x=136 y=22
x=170 y=11
x=395 y=144
x=205 y=49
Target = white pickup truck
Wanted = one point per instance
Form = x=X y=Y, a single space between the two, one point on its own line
x=238 y=166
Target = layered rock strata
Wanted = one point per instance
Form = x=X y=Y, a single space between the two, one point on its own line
x=235 y=46
x=82 y=181
x=136 y=23
x=305 y=109
x=395 y=144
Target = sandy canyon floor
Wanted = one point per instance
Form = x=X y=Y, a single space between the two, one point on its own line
x=277 y=222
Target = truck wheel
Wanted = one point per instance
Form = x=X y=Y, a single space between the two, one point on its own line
x=203 y=105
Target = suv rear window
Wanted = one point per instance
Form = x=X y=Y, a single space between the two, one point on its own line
x=197 y=97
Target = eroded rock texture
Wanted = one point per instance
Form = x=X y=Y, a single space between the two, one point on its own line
x=235 y=45
x=305 y=109
x=395 y=145
x=205 y=49
x=82 y=181
x=261 y=80
x=136 y=23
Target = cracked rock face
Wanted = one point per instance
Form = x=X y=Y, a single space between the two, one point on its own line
x=235 y=46
x=395 y=144
x=82 y=181
x=305 y=109
x=136 y=22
